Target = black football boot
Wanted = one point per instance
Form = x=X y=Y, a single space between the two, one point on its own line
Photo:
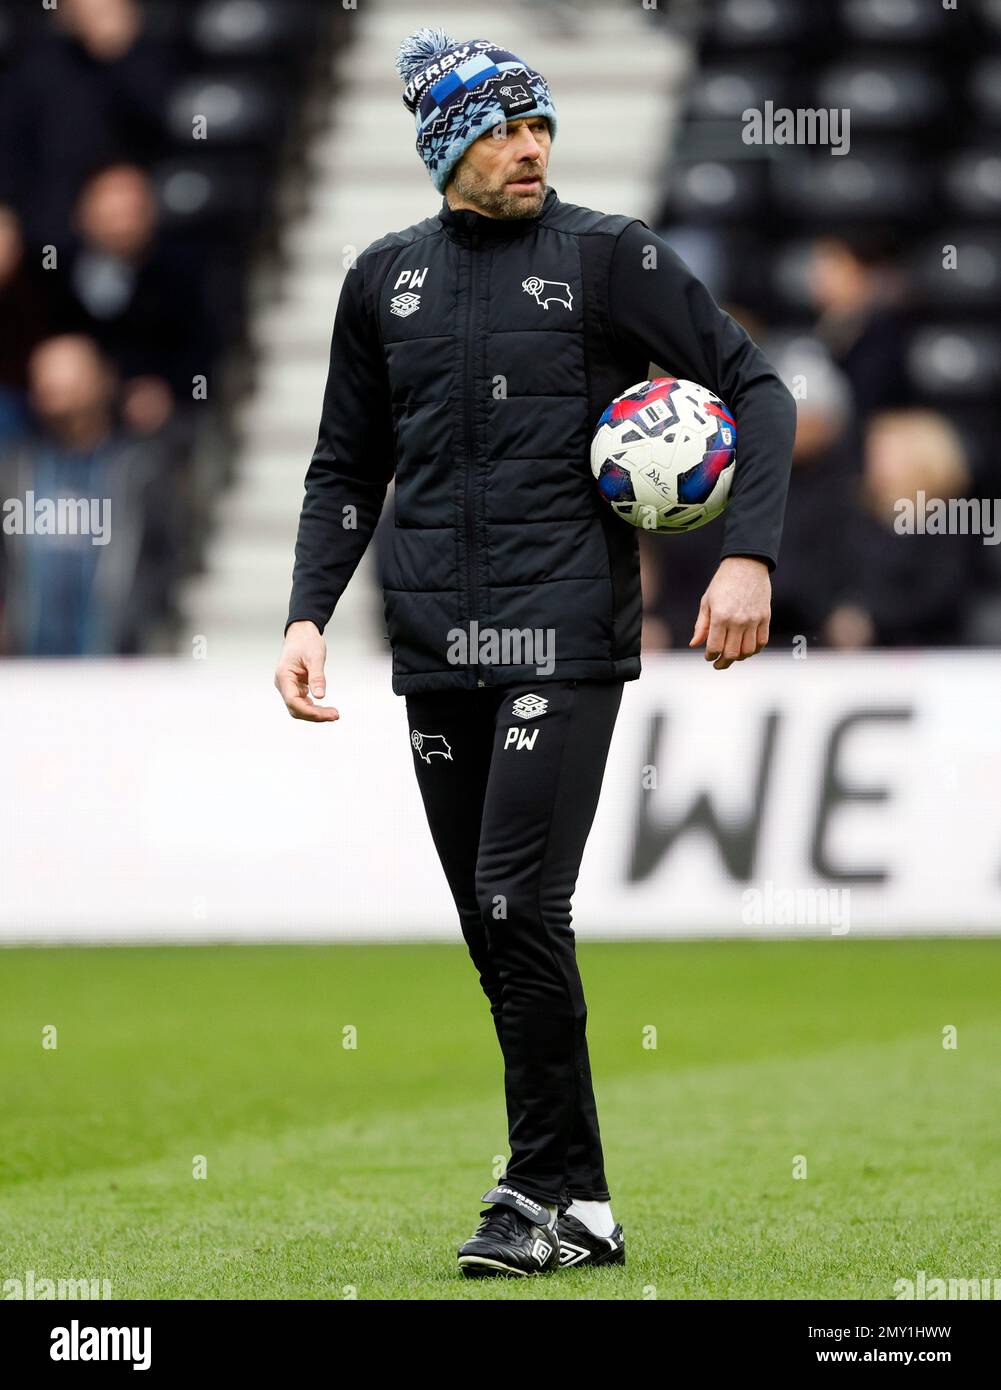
x=516 y=1237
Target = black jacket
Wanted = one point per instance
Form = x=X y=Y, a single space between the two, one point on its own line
x=472 y=357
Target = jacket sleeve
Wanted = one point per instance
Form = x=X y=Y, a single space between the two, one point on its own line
x=352 y=463
x=658 y=308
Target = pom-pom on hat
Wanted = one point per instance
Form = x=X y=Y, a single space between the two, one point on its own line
x=459 y=90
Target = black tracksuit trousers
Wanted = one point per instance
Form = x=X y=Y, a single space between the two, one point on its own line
x=510 y=778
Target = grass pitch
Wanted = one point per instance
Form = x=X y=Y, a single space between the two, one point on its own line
x=336 y=1172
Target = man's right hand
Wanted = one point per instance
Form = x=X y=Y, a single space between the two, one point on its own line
x=300 y=670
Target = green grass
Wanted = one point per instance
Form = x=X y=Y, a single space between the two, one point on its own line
x=334 y=1172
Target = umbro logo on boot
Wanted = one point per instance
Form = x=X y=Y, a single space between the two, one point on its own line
x=516 y=1237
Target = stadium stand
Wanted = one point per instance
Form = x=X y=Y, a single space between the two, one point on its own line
x=131 y=211
x=191 y=202
x=884 y=259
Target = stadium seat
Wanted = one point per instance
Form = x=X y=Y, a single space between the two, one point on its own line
x=985 y=90
x=757 y=24
x=893 y=21
x=867 y=185
x=715 y=189
x=203 y=191
x=972 y=182
x=946 y=361
x=725 y=90
x=243 y=29
x=989 y=15
x=972 y=286
x=882 y=95
x=237 y=110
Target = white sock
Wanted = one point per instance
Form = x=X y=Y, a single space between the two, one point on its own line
x=596 y=1216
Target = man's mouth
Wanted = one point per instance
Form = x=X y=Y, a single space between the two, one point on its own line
x=527 y=181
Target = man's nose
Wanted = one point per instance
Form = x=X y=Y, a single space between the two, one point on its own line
x=527 y=147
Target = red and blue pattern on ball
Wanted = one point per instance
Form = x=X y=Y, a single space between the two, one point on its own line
x=697 y=482
x=627 y=407
x=615 y=483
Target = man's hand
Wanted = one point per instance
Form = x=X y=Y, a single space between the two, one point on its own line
x=735 y=611
x=300 y=670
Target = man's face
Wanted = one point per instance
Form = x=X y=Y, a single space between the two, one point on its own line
x=116 y=211
x=503 y=173
x=66 y=378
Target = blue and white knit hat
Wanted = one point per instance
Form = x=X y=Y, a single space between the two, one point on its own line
x=457 y=91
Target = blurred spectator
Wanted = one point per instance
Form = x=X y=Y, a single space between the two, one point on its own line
x=25 y=321
x=856 y=285
x=100 y=584
x=822 y=488
x=904 y=589
x=141 y=303
x=95 y=88
x=138 y=296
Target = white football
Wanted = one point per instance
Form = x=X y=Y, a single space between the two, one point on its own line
x=664 y=455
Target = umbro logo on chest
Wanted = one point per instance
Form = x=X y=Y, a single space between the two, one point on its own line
x=407 y=303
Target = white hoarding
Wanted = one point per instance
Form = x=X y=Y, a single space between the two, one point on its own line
x=176 y=800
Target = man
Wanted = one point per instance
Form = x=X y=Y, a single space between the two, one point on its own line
x=94 y=82
x=65 y=589
x=140 y=297
x=472 y=355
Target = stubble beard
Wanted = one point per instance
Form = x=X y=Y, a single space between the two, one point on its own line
x=473 y=187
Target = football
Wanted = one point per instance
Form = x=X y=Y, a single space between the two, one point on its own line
x=664 y=454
